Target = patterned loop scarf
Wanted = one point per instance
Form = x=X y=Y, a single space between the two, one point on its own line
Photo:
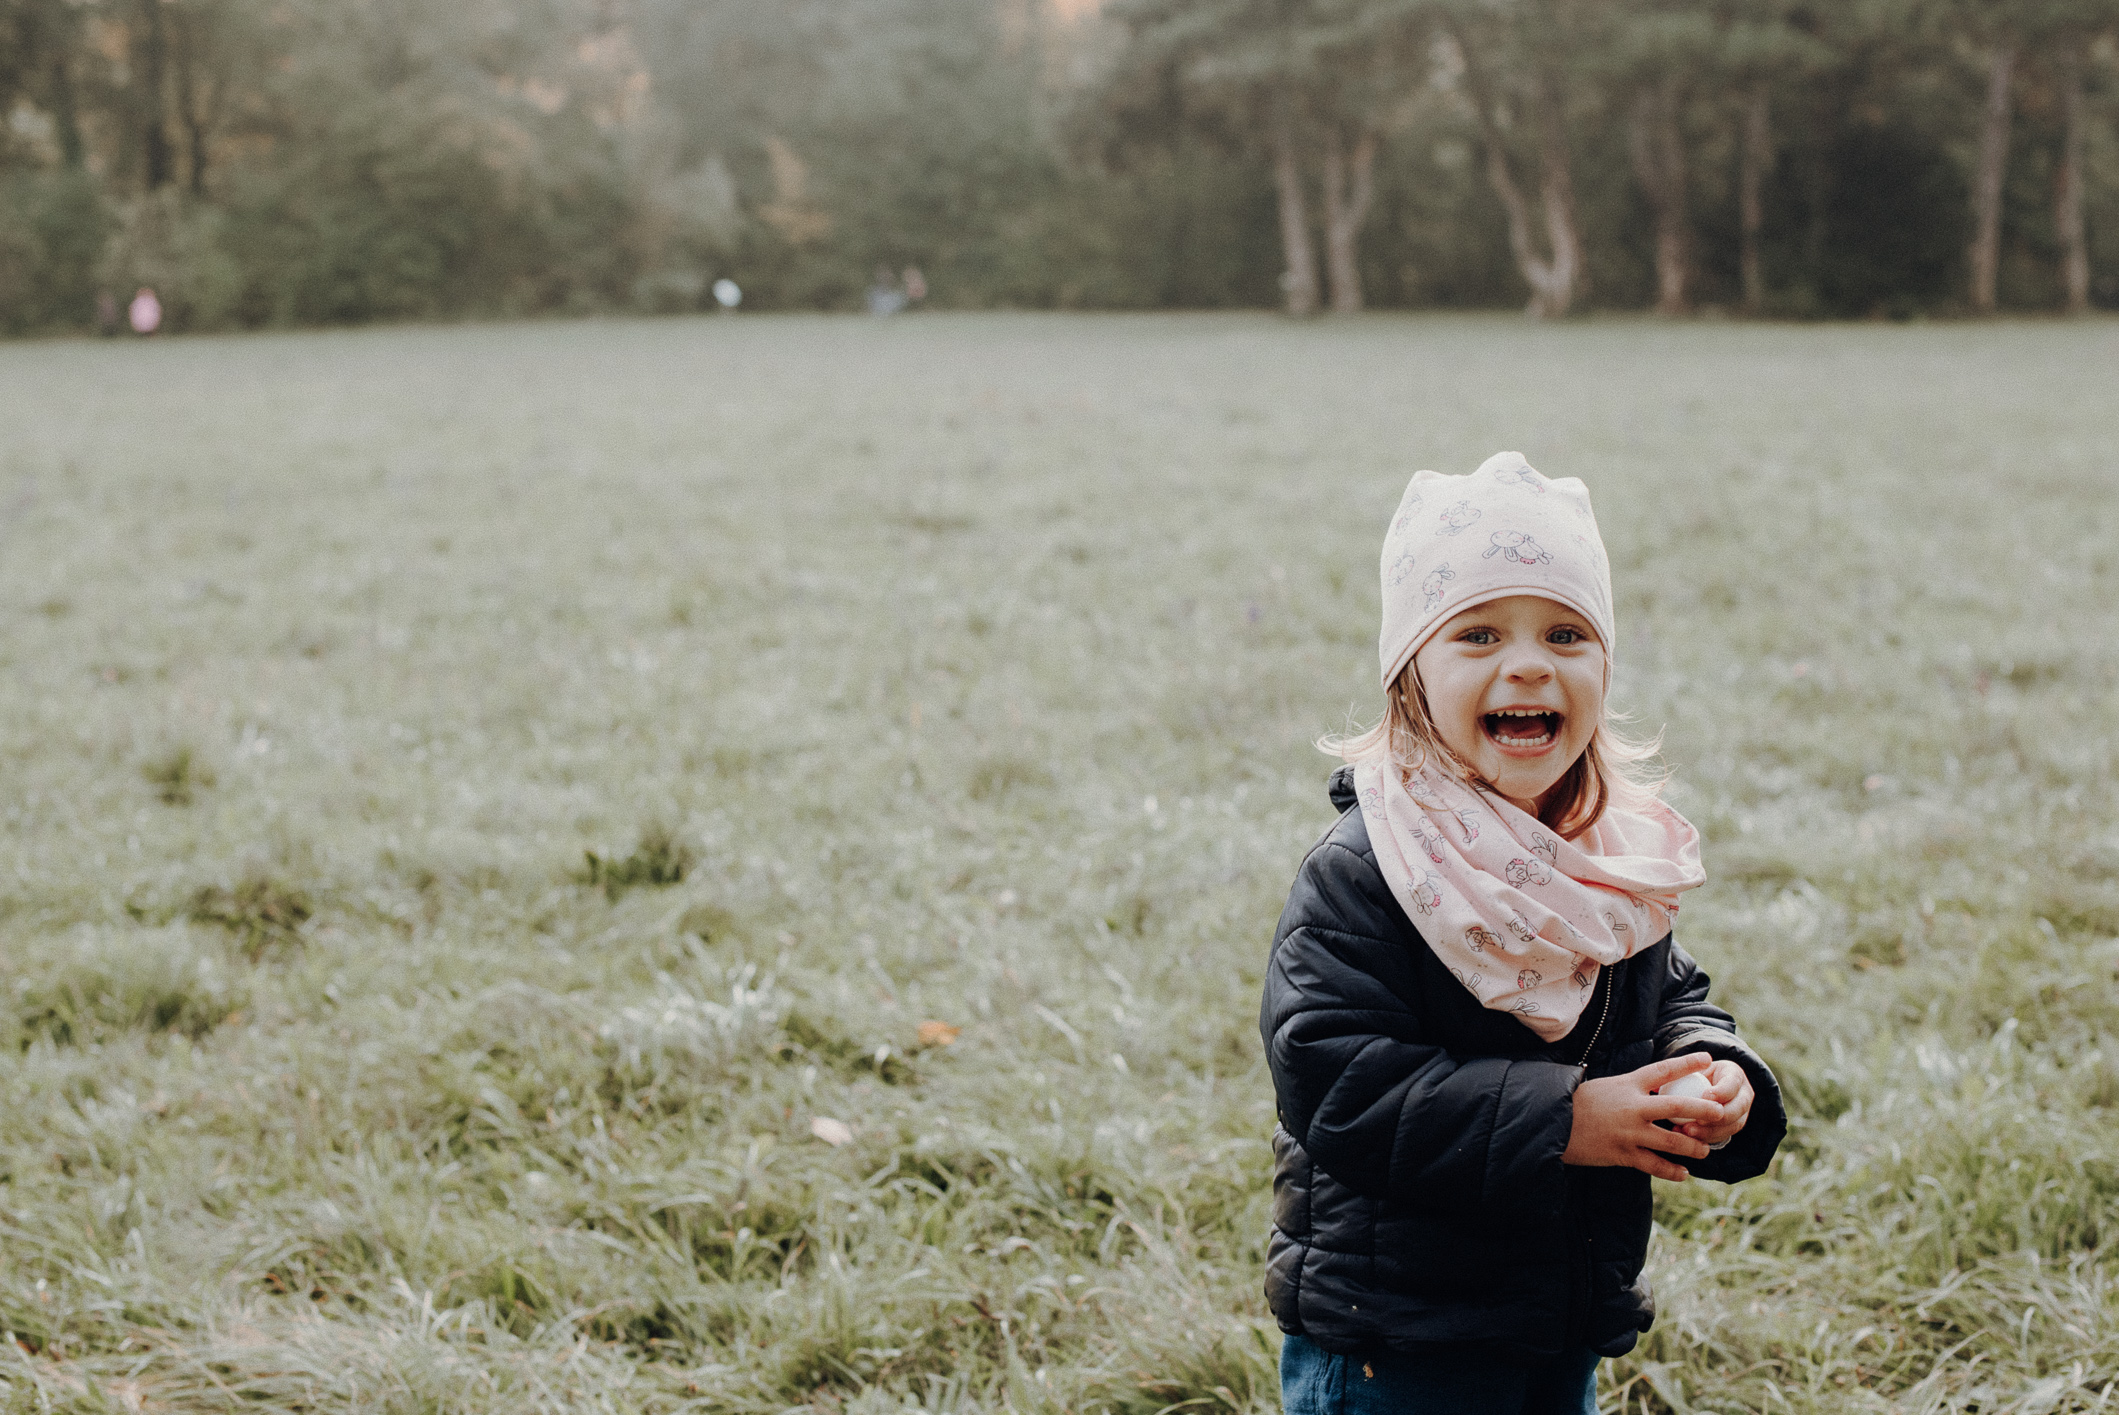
x=1521 y=917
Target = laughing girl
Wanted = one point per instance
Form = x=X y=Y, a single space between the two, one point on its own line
x=1483 y=1038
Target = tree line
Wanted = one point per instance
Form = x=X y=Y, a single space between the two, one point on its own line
x=294 y=162
x=1814 y=127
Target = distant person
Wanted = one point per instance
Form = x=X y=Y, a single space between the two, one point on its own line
x=145 y=312
x=915 y=285
x=884 y=294
x=1482 y=1037
x=727 y=294
x=108 y=322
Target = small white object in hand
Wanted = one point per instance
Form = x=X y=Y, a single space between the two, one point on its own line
x=1693 y=1084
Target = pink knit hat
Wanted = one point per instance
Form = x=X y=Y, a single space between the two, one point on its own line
x=1504 y=530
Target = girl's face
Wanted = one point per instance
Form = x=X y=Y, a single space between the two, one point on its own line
x=1515 y=687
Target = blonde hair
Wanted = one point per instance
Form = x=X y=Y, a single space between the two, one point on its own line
x=1608 y=773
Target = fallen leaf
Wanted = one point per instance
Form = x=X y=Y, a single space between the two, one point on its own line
x=831 y=1132
x=938 y=1034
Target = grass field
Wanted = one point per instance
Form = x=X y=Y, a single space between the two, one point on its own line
x=480 y=802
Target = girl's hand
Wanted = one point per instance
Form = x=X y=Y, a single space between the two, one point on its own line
x=1615 y=1119
x=1731 y=1088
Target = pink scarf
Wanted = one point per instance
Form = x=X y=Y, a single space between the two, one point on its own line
x=1521 y=917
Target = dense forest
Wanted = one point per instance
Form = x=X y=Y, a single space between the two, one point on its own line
x=291 y=162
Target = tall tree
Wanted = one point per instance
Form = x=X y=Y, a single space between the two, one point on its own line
x=1664 y=52
x=2068 y=226
x=1760 y=46
x=2067 y=32
x=216 y=50
x=1228 y=68
x=1307 y=83
x=1369 y=57
x=1349 y=191
x=40 y=53
x=150 y=42
x=1298 y=281
x=1753 y=166
x=1983 y=255
x=1657 y=147
x=1518 y=80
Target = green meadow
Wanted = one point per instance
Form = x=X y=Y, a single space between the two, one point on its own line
x=726 y=864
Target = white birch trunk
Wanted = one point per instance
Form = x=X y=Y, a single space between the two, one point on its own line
x=1299 y=280
x=1658 y=151
x=1349 y=190
x=1567 y=273
x=1554 y=276
x=1984 y=256
x=2067 y=190
x=1750 y=199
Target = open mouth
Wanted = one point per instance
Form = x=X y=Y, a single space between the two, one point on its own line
x=1524 y=729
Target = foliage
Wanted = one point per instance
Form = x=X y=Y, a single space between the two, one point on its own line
x=659 y=860
x=177 y=775
x=303 y=162
x=51 y=226
x=263 y=912
x=973 y=662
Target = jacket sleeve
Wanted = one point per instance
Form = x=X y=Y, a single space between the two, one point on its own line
x=1687 y=1022
x=1381 y=1108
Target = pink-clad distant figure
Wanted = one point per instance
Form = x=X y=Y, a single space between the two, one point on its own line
x=145 y=312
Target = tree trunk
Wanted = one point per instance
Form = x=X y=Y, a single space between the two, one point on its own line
x=1658 y=151
x=1750 y=197
x=2067 y=189
x=1349 y=188
x=1299 y=280
x=198 y=155
x=188 y=57
x=1985 y=253
x=156 y=155
x=66 y=115
x=1567 y=273
x=1554 y=278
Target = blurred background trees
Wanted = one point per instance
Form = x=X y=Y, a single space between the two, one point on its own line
x=283 y=162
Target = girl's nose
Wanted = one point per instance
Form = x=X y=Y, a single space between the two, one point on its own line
x=1527 y=665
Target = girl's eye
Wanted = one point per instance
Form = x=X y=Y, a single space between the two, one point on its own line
x=1479 y=636
x=1565 y=636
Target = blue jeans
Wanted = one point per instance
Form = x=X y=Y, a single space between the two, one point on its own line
x=1441 y=1380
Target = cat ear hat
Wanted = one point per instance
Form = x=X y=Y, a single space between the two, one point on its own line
x=1506 y=529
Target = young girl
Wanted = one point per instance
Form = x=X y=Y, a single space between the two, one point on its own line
x=1474 y=998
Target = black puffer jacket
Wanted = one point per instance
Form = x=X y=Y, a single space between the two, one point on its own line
x=1418 y=1193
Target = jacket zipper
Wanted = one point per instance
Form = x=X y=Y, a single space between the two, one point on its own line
x=1585 y=1273
x=1604 y=977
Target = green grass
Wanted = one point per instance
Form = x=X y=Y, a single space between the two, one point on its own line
x=474 y=797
